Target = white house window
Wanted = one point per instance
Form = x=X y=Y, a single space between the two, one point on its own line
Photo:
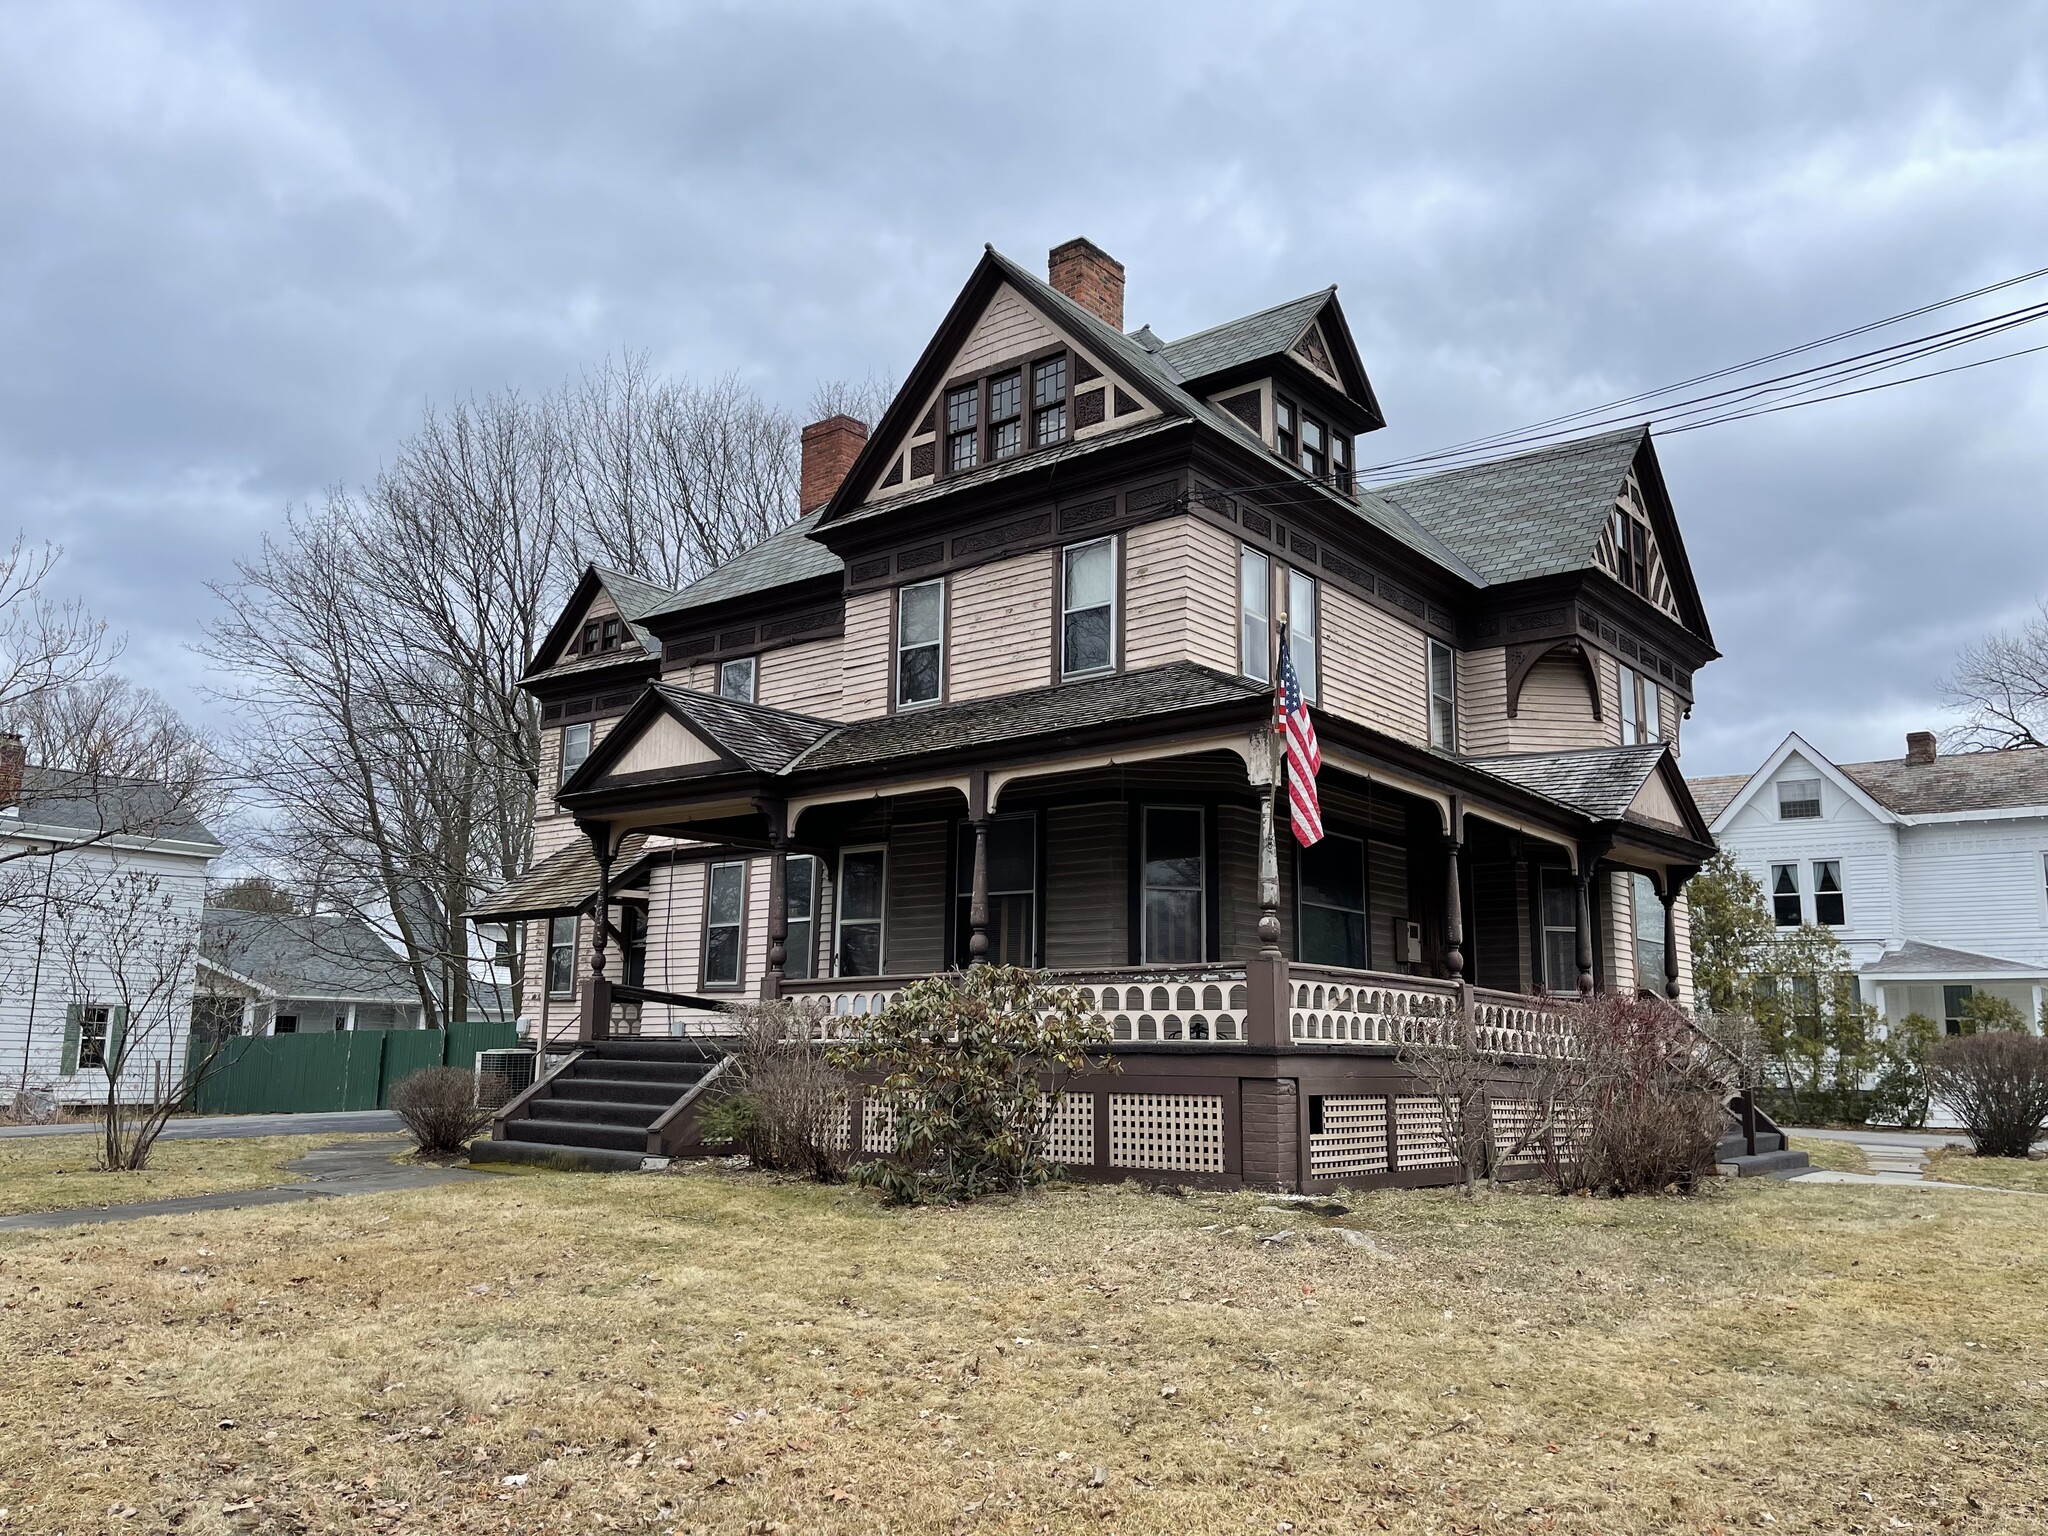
x=1173 y=906
x=575 y=748
x=1799 y=800
x=1443 y=696
x=863 y=877
x=1301 y=630
x=724 y=912
x=800 y=906
x=95 y=1027
x=1088 y=608
x=920 y=642
x=1255 y=616
x=1650 y=958
x=561 y=957
x=1331 y=894
x=1785 y=894
x=736 y=679
x=1828 y=906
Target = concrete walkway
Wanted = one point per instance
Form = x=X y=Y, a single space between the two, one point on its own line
x=1895 y=1157
x=351 y=1168
x=197 y=1127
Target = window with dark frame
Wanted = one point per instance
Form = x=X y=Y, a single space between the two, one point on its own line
x=736 y=679
x=1255 y=612
x=1649 y=925
x=1173 y=912
x=859 y=911
x=1560 y=916
x=963 y=428
x=1006 y=415
x=1785 y=895
x=1049 y=401
x=1830 y=909
x=1012 y=891
x=1315 y=447
x=725 y=904
x=1330 y=900
x=633 y=943
x=1284 y=427
x=1088 y=608
x=613 y=634
x=920 y=642
x=575 y=749
x=1340 y=462
x=95 y=1026
x=1301 y=631
x=1632 y=550
x=1955 y=1008
x=1443 y=696
x=800 y=910
x=562 y=956
x=1302 y=438
x=591 y=632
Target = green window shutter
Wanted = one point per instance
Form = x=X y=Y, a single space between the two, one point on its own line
x=70 y=1065
x=117 y=1033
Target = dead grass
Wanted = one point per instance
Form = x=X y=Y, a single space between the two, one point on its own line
x=1959 y=1165
x=56 y=1173
x=712 y=1352
x=1836 y=1156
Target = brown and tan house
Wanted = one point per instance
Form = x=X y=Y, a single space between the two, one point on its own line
x=1004 y=690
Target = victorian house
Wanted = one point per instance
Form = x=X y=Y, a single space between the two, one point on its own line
x=1004 y=689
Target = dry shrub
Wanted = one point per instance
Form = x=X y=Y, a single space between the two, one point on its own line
x=1997 y=1084
x=439 y=1108
x=784 y=1103
x=1645 y=1096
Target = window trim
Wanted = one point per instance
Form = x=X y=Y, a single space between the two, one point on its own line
x=1840 y=892
x=1311 y=678
x=704 y=979
x=553 y=945
x=564 y=770
x=753 y=666
x=1201 y=814
x=810 y=919
x=1449 y=741
x=897 y=702
x=1026 y=366
x=1818 y=803
x=1116 y=609
x=880 y=923
x=1364 y=846
x=1796 y=894
x=1246 y=553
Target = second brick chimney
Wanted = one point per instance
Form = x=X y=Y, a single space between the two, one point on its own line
x=1920 y=747
x=1091 y=277
x=830 y=447
x=13 y=759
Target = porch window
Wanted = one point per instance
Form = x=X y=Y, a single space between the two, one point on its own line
x=1005 y=415
x=1560 y=913
x=575 y=749
x=963 y=427
x=800 y=908
x=633 y=943
x=1088 y=608
x=1049 y=401
x=1828 y=903
x=1301 y=630
x=1649 y=914
x=920 y=642
x=1955 y=1008
x=1443 y=696
x=863 y=876
x=562 y=956
x=1012 y=892
x=1331 y=901
x=736 y=679
x=725 y=906
x=1174 y=931
x=1785 y=894
x=1799 y=800
x=1255 y=613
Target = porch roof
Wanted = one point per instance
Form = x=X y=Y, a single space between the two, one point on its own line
x=1915 y=960
x=766 y=740
x=1601 y=782
x=561 y=883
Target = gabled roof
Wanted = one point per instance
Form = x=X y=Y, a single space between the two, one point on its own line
x=1914 y=958
x=1792 y=743
x=328 y=955
x=1246 y=339
x=1712 y=794
x=98 y=805
x=561 y=883
x=1600 y=782
x=739 y=736
x=635 y=599
x=1966 y=781
x=791 y=555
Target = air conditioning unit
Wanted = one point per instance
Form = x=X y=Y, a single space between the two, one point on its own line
x=1412 y=951
x=502 y=1075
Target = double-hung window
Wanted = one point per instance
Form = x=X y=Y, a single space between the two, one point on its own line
x=920 y=642
x=1340 y=462
x=1443 y=696
x=1255 y=616
x=863 y=879
x=1331 y=898
x=633 y=943
x=1173 y=902
x=1049 y=401
x=1649 y=914
x=800 y=909
x=1012 y=892
x=1829 y=906
x=95 y=1034
x=1560 y=932
x=1301 y=631
x=562 y=957
x=1315 y=447
x=963 y=428
x=1006 y=415
x=1286 y=427
x=736 y=679
x=1088 y=608
x=1955 y=1008
x=1642 y=717
x=575 y=749
x=1632 y=551
x=725 y=906
x=1785 y=895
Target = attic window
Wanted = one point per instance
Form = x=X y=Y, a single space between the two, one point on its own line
x=1311 y=442
x=1799 y=800
x=602 y=635
x=990 y=420
x=1632 y=550
x=963 y=419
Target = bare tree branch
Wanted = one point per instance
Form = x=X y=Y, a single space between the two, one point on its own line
x=2000 y=686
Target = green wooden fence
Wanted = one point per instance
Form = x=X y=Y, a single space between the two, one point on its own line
x=349 y=1069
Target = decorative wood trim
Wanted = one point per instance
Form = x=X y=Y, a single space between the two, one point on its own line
x=1522 y=660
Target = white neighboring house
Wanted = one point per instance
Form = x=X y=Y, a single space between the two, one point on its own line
x=69 y=978
x=1932 y=870
x=269 y=973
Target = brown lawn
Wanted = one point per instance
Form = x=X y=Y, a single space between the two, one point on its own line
x=1959 y=1165
x=58 y=1173
x=717 y=1352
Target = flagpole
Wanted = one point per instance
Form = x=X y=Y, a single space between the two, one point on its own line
x=1269 y=854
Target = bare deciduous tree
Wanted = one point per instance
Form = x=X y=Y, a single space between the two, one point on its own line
x=863 y=399
x=45 y=644
x=2000 y=686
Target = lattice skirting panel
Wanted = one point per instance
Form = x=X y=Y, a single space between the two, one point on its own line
x=838 y=1127
x=1176 y=1132
x=1513 y=1121
x=878 y=1123
x=1419 y=1137
x=1353 y=1139
x=1070 y=1137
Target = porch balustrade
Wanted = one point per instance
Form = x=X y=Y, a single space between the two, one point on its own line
x=1192 y=1005
x=1345 y=1007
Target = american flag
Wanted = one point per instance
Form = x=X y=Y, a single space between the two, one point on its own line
x=1304 y=757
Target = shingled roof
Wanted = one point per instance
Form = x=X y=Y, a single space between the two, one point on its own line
x=1964 y=781
x=325 y=955
x=782 y=558
x=764 y=739
x=1712 y=794
x=100 y=805
x=1536 y=514
x=1244 y=340
x=564 y=881
x=1601 y=782
x=1913 y=958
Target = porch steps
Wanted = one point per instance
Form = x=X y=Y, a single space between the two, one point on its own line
x=602 y=1111
x=1773 y=1155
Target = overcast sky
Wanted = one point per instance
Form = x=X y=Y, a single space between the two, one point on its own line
x=240 y=247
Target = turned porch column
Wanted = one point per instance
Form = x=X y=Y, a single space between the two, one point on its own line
x=1674 y=886
x=977 y=901
x=1454 y=902
x=777 y=814
x=595 y=1022
x=1268 y=1012
x=1583 y=926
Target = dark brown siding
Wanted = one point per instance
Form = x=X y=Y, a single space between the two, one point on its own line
x=1272 y=1132
x=1086 y=884
x=1237 y=874
x=1500 y=931
x=916 y=933
x=1387 y=871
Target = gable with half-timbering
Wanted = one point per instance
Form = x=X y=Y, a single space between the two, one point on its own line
x=1629 y=550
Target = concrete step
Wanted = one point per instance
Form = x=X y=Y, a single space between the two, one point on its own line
x=1762 y=1164
x=594 y=1111
x=1734 y=1146
x=614 y=1090
x=581 y=1133
x=549 y=1155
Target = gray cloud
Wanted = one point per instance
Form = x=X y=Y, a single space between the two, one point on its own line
x=245 y=244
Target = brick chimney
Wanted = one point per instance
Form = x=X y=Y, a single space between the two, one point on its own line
x=1091 y=277
x=1919 y=747
x=13 y=758
x=830 y=447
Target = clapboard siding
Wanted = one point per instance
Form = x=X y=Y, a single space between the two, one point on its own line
x=1374 y=667
x=1180 y=595
x=1483 y=702
x=1500 y=926
x=1237 y=842
x=1008 y=328
x=864 y=655
x=1386 y=870
x=808 y=679
x=914 y=933
x=1087 y=886
x=1620 y=935
x=1001 y=627
x=553 y=828
x=1556 y=710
